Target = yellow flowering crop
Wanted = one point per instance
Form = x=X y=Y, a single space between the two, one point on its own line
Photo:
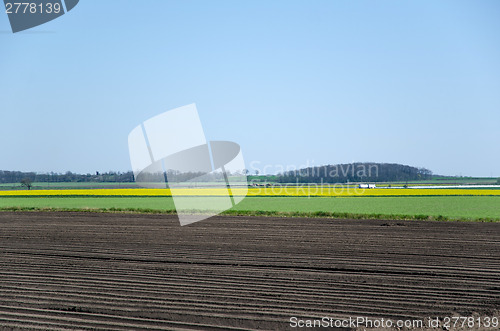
x=298 y=191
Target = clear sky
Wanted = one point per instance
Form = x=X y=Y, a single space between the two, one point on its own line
x=293 y=82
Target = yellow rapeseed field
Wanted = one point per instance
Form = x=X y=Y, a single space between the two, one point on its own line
x=299 y=191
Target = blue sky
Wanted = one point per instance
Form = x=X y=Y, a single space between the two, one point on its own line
x=293 y=82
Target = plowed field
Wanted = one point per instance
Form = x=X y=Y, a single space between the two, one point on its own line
x=130 y=271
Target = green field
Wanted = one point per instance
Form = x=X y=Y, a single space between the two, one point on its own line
x=437 y=180
x=444 y=207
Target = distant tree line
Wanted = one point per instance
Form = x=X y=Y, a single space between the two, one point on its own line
x=52 y=177
x=355 y=172
x=340 y=173
x=107 y=177
x=174 y=176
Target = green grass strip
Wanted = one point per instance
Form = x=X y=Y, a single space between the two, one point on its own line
x=281 y=214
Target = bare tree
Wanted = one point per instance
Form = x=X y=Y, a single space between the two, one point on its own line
x=27 y=182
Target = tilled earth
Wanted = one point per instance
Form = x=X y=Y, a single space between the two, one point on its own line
x=128 y=271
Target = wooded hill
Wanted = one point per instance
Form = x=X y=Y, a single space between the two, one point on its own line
x=356 y=172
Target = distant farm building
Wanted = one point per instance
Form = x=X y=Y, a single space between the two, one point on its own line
x=367 y=186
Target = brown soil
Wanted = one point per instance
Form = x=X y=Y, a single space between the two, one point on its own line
x=126 y=271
